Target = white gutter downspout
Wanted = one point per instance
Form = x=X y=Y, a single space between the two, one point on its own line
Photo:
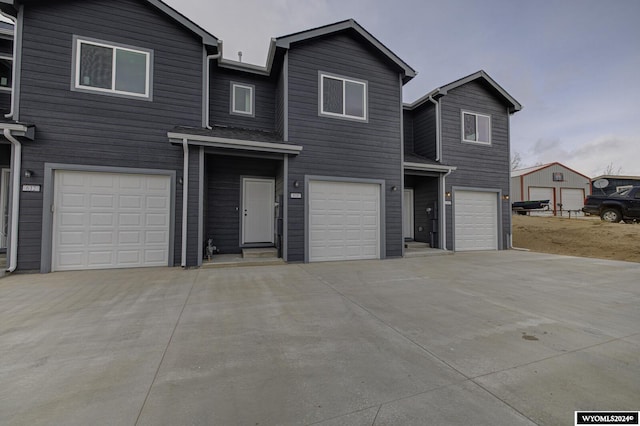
x=443 y=222
x=438 y=139
x=185 y=200
x=13 y=61
x=207 y=84
x=15 y=199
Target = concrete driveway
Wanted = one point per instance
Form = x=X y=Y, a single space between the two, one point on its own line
x=494 y=338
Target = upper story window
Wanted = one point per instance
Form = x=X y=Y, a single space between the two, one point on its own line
x=111 y=68
x=6 y=72
x=343 y=97
x=476 y=128
x=242 y=99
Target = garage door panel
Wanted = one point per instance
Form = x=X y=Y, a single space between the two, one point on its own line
x=121 y=221
x=344 y=221
x=572 y=198
x=476 y=220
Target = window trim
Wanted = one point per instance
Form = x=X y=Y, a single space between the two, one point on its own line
x=75 y=74
x=232 y=99
x=344 y=115
x=476 y=115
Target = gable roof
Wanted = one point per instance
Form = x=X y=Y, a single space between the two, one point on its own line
x=207 y=38
x=349 y=24
x=514 y=105
x=529 y=170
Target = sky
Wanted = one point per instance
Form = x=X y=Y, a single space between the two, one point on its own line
x=574 y=65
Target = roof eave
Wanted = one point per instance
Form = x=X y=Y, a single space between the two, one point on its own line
x=235 y=144
x=286 y=41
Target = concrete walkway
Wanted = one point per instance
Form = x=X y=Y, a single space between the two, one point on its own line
x=494 y=338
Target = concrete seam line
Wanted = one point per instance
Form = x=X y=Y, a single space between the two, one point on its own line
x=377 y=413
x=164 y=353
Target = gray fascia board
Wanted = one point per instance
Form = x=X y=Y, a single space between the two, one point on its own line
x=421 y=100
x=407 y=165
x=515 y=105
x=216 y=142
x=207 y=38
x=26 y=131
x=286 y=41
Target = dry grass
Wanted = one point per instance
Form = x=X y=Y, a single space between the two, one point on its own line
x=585 y=237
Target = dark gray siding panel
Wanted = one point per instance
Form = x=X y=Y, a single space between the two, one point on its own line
x=193 y=250
x=279 y=106
x=424 y=130
x=223 y=175
x=478 y=166
x=220 y=100
x=342 y=148
x=407 y=118
x=86 y=128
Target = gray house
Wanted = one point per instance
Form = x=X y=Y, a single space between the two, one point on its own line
x=130 y=141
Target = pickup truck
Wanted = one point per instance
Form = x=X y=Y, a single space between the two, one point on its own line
x=621 y=205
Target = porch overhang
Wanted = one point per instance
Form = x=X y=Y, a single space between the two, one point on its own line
x=21 y=130
x=423 y=167
x=234 y=144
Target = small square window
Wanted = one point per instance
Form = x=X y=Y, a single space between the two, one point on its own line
x=343 y=98
x=242 y=99
x=476 y=128
x=558 y=177
x=112 y=69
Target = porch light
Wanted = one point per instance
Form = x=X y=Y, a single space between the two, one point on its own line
x=394 y=188
x=296 y=184
x=447 y=194
x=505 y=197
x=28 y=173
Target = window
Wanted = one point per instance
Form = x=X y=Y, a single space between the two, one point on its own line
x=558 y=177
x=242 y=101
x=112 y=69
x=343 y=98
x=6 y=71
x=476 y=128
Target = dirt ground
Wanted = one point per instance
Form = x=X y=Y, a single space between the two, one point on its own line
x=584 y=237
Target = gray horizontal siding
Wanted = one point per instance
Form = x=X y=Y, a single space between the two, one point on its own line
x=335 y=147
x=424 y=130
x=407 y=118
x=478 y=166
x=93 y=129
x=220 y=99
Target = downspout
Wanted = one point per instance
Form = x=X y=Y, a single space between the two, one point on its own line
x=15 y=199
x=13 y=61
x=185 y=200
x=443 y=222
x=438 y=138
x=208 y=83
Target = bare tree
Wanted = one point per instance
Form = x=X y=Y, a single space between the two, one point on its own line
x=611 y=170
x=516 y=161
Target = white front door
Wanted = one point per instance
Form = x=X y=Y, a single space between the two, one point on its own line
x=258 y=204
x=407 y=222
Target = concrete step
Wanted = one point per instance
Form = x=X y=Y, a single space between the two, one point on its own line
x=260 y=253
x=415 y=245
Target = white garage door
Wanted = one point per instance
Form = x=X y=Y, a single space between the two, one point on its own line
x=537 y=194
x=110 y=220
x=476 y=220
x=572 y=198
x=344 y=221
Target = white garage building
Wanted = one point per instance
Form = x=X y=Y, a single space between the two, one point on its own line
x=565 y=188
